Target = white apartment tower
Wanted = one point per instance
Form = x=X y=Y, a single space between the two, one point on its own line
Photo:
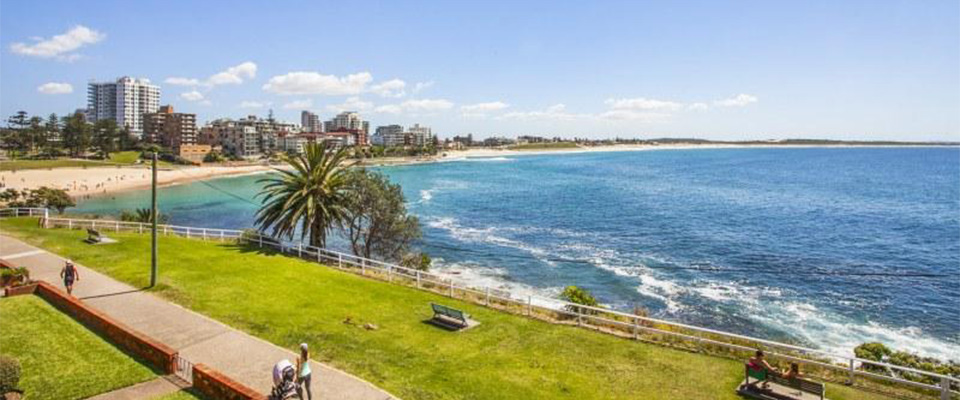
x=124 y=101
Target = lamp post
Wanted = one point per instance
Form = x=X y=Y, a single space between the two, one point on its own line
x=153 y=228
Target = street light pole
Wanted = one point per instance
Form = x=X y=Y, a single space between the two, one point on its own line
x=153 y=218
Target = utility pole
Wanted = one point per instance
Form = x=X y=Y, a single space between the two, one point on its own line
x=153 y=218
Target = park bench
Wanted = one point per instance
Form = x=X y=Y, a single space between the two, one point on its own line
x=93 y=236
x=450 y=317
x=780 y=388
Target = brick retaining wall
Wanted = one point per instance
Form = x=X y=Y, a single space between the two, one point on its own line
x=215 y=385
x=157 y=354
x=18 y=290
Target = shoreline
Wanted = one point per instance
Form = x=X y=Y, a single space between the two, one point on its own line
x=83 y=183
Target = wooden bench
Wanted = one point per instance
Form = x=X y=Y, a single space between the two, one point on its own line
x=780 y=388
x=95 y=237
x=449 y=316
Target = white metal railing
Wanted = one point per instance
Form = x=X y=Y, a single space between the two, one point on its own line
x=586 y=316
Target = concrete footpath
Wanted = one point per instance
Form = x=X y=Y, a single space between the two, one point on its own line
x=199 y=339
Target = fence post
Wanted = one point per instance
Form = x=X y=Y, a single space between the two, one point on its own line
x=389 y=273
x=318 y=255
x=418 y=279
x=339 y=260
x=451 y=288
x=260 y=240
x=579 y=317
x=529 y=305
x=488 y=296
x=299 y=250
x=363 y=266
x=117 y=227
x=188 y=232
x=221 y=235
x=851 y=373
x=164 y=230
x=94 y=225
x=70 y=224
x=636 y=328
x=944 y=388
x=140 y=227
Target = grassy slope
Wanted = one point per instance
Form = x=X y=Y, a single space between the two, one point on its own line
x=288 y=301
x=43 y=164
x=60 y=359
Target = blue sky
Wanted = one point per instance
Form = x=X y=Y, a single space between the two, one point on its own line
x=722 y=70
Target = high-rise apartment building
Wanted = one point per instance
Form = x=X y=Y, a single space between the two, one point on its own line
x=389 y=136
x=351 y=122
x=124 y=101
x=419 y=135
x=170 y=129
x=310 y=122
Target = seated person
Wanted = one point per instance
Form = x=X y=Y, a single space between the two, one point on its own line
x=759 y=363
x=793 y=372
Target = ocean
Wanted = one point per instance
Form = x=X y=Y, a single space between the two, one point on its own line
x=825 y=247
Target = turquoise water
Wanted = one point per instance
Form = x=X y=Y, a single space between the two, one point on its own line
x=824 y=247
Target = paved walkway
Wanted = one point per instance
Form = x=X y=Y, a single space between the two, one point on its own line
x=161 y=386
x=199 y=339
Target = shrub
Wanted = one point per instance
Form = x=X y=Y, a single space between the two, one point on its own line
x=9 y=374
x=417 y=261
x=578 y=295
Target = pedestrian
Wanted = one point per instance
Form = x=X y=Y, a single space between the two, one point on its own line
x=69 y=274
x=303 y=371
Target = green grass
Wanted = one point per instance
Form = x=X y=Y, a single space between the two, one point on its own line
x=288 y=301
x=59 y=358
x=186 y=394
x=125 y=157
x=544 y=146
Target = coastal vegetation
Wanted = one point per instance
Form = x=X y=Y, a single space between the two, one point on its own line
x=42 y=197
x=144 y=215
x=880 y=352
x=506 y=356
x=544 y=146
x=376 y=222
x=59 y=358
x=310 y=196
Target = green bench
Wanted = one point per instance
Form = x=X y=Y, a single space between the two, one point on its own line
x=449 y=316
x=760 y=375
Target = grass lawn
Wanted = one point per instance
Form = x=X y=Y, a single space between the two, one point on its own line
x=125 y=157
x=288 y=301
x=544 y=146
x=59 y=358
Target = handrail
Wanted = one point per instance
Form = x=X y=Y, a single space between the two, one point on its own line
x=564 y=307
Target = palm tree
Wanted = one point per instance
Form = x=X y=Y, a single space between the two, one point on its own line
x=312 y=195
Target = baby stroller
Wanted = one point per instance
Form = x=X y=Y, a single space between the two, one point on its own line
x=285 y=384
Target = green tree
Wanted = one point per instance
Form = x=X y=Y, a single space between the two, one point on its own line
x=127 y=141
x=377 y=222
x=43 y=196
x=578 y=295
x=36 y=134
x=105 y=137
x=51 y=130
x=312 y=195
x=76 y=134
x=16 y=137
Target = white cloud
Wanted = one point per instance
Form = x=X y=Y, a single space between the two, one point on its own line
x=389 y=109
x=351 y=104
x=60 y=46
x=304 y=82
x=391 y=88
x=299 y=104
x=641 y=103
x=55 y=88
x=484 y=107
x=554 y=112
x=192 y=95
x=178 y=81
x=234 y=75
x=739 y=100
x=419 y=86
x=254 y=104
x=426 y=105
x=698 y=106
x=633 y=115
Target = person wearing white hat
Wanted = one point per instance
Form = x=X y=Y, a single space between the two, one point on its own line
x=303 y=370
x=69 y=274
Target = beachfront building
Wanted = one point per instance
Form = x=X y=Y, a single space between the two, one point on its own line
x=389 y=136
x=170 y=129
x=247 y=137
x=419 y=136
x=310 y=122
x=124 y=101
x=293 y=144
x=194 y=153
x=352 y=123
x=495 y=141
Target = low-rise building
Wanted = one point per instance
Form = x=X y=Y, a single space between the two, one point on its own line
x=419 y=136
x=247 y=137
x=170 y=129
x=194 y=153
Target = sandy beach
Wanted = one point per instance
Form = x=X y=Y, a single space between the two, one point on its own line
x=82 y=182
